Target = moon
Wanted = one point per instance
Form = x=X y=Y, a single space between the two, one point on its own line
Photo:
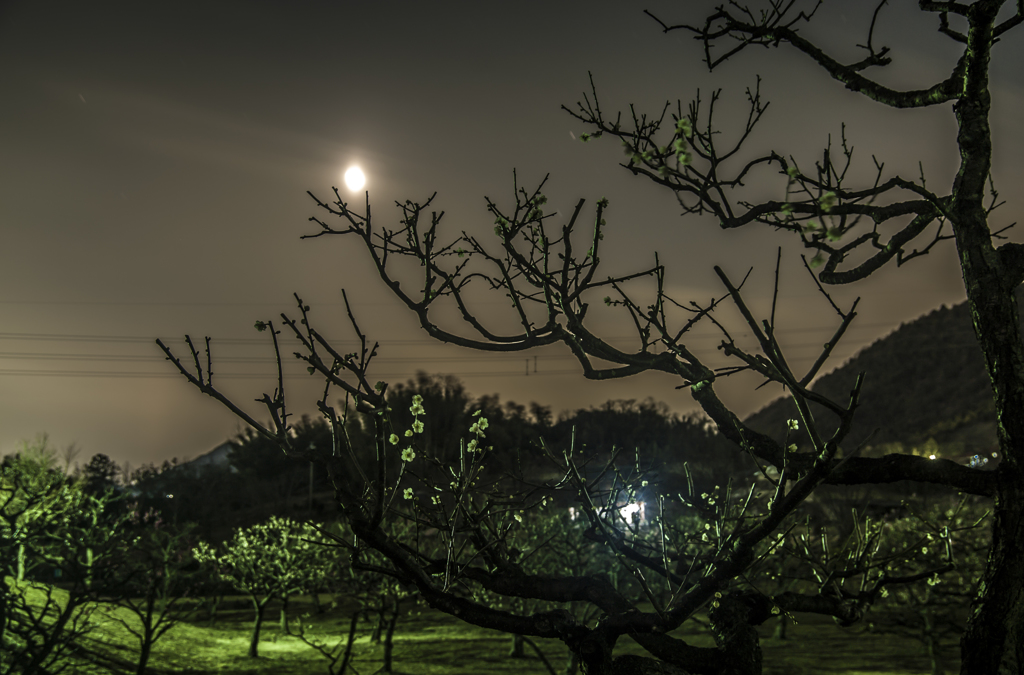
x=355 y=179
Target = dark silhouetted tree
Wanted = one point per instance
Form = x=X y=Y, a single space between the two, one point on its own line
x=271 y=476
x=210 y=496
x=551 y=275
x=658 y=438
x=100 y=474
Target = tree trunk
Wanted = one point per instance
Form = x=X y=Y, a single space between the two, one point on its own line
x=389 y=635
x=595 y=654
x=349 y=643
x=144 y=651
x=993 y=643
x=254 y=641
x=931 y=637
x=378 y=626
x=572 y=664
x=780 y=628
x=935 y=655
x=147 y=636
x=211 y=607
x=516 y=649
x=284 y=615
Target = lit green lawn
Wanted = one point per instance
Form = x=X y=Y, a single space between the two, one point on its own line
x=430 y=643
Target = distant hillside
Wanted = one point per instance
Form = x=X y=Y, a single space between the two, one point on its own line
x=218 y=457
x=926 y=380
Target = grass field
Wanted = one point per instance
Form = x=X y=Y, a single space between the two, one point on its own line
x=430 y=643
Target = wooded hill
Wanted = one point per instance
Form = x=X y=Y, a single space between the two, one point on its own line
x=925 y=384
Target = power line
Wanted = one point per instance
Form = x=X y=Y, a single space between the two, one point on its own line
x=268 y=359
x=427 y=361
x=145 y=358
x=421 y=341
x=306 y=300
x=256 y=376
x=424 y=361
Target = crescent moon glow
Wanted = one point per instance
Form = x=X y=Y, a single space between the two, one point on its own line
x=355 y=179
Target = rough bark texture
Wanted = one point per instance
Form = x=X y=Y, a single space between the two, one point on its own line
x=994 y=640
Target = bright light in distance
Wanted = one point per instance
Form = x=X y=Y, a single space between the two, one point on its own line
x=355 y=179
x=631 y=512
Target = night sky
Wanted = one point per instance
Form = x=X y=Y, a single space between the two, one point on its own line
x=155 y=157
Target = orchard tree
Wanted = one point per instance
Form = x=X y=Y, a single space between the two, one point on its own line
x=549 y=272
x=155 y=572
x=48 y=533
x=33 y=492
x=933 y=612
x=341 y=581
x=382 y=595
x=548 y=541
x=269 y=561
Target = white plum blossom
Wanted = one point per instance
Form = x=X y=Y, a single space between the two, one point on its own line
x=417 y=405
x=479 y=426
